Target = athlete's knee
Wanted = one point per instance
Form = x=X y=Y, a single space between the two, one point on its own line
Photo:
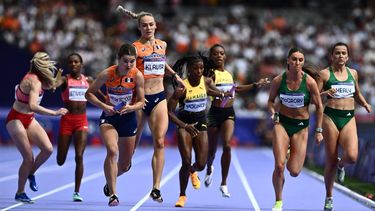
x=79 y=158
x=199 y=166
x=279 y=168
x=28 y=160
x=351 y=159
x=112 y=152
x=294 y=173
x=124 y=167
x=226 y=148
x=47 y=151
x=159 y=144
x=60 y=160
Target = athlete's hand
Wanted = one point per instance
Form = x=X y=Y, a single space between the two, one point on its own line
x=126 y=109
x=61 y=111
x=262 y=82
x=318 y=138
x=191 y=129
x=109 y=110
x=330 y=92
x=368 y=108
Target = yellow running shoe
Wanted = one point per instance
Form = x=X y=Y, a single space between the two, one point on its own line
x=278 y=206
x=181 y=201
x=195 y=181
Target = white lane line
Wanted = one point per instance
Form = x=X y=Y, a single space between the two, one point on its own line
x=243 y=179
x=169 y=176
x=363 y=200
x=84 y=180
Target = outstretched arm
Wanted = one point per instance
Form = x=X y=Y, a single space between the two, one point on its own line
x=248 y=87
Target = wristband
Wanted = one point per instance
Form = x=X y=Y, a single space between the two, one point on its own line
x=174 y=75
x=318 y=130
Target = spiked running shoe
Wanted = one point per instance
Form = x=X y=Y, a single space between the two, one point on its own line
x=77 y=197
x=113 y=201
x=195 y=181
x=22 y=197
x=224 y=191
x=106 y=190
x=340 y=175
x=181 y=201
x=208 y=178
x=278 y=206
x=328 y=204
x=32 y=182
x=156 y=195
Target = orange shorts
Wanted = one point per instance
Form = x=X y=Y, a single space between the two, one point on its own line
x=25 y=119
x=70 y=123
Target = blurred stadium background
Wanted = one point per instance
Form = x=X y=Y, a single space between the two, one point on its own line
x=256 y=33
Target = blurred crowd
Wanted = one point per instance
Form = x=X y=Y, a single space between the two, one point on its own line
x=256 y=38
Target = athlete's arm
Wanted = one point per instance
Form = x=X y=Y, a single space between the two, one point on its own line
x=358 y=95
x=94 y=87
x=172 y=104
x=317 y=101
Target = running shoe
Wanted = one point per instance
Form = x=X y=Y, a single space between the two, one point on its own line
x=181 y=201
x=156 y=195
x=340 y=175
x=208 y=178
x=22 y=197
x=224 y=191
x=278 y=206
x=77 y=197
x=106 y=190
x=195 y=181
x=32 y=182
x=328 y=204
x=113 y=201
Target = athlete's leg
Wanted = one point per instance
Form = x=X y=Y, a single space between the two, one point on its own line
x=184 y=146
x=40 y=138
x=330 y=134
x=126 y=147
x=158 y=122
x=226 y=134
x=110 y=137
x=19 y=136
x=298 y=146
x=80 y=140
x=280 y=143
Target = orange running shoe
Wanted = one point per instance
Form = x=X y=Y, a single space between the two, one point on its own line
x=195 y=181
x=181 y=201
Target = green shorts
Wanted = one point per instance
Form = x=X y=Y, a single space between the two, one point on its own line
x=291 y=125
x=339 y=117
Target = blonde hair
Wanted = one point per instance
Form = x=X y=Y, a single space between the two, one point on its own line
x=44 y=68
x=133 y=15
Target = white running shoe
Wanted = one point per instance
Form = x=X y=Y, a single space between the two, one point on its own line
x=224 y=191
x=208 y=178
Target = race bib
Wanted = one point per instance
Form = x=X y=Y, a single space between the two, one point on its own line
x=344 y=89
x=224 y=88
x=77 y=93
x=120 y=99
x=154 y=64
x=196 y=105
x=293 y=100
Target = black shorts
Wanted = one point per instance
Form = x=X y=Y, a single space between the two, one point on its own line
x=217 y=116
x=190 y=118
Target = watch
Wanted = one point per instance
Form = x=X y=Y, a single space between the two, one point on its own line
x=319 y=130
